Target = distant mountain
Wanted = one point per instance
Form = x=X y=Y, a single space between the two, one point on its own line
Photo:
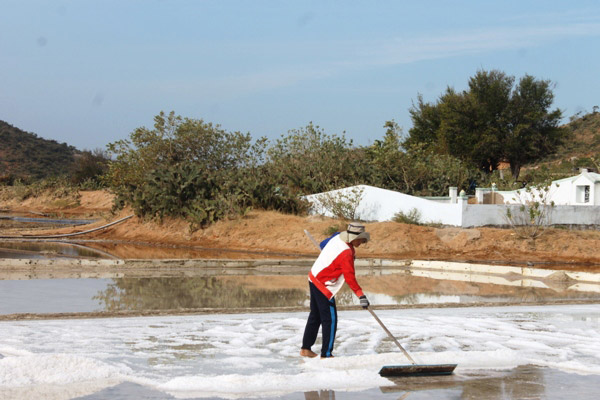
x=26 y=156
x=586 y=136
x=580 y=150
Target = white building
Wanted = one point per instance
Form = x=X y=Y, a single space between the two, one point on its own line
x=579 y=190
x=576 y=202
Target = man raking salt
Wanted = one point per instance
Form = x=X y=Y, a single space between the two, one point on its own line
x=333 y=267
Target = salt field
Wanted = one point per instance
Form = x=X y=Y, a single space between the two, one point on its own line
x=537 y=336
x=256 y=355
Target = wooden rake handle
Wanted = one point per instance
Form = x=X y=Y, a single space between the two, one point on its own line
x=392 y=336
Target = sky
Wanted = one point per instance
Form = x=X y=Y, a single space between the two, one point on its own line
x=89 y=73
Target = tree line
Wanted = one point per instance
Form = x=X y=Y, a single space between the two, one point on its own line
x=196 y=170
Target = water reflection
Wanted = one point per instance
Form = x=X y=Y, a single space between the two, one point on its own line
x=195 y=292
x=43 y=296
x=406 y=288
x=523 y=382
x=221 y=289
x=320 y=395
x=272 y=291
x=15 y=221
x=51 y=221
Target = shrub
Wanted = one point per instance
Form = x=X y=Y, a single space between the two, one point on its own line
x=330 y=230
x=413 y=217
x=88 y=169
x=342 y=203
x=196 y=170
x=312 y=161
x=183 y=190
x=58 y=189
x=531 y=218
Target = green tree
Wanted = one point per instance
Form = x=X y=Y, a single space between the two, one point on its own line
x=196 y=170
x=418 y=170
x=535 y=130
x=312 y=161
x=89 y=167
x=426 y=121
x=387 y=157
x=493 y=120
x=174 y=140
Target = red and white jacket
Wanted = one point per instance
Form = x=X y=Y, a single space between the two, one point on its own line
x=333 y=267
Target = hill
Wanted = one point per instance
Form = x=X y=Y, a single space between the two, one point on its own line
x=581 y=150
x=26 y=156
x=585 y=141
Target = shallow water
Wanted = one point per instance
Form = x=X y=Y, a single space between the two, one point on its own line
x=44 y=220
x=223 y=289
x=15 y=221
x=524 y=382
x=50 y=295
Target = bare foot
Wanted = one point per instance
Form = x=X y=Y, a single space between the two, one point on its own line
x=307 y=353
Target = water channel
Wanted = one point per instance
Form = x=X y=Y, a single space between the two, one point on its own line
x=28 y=221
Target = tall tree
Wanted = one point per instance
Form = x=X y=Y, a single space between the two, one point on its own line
x=493 y=120
x=426 y=120
x=415 y=169
x=535 y=131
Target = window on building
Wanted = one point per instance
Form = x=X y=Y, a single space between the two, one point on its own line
x=586 y=195
x=583 y=194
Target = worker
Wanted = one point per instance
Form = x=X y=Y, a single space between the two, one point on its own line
x=333 y=267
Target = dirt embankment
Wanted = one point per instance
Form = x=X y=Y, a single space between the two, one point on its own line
x=271 y=232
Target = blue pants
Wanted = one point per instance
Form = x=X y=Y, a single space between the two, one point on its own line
x=323 y=312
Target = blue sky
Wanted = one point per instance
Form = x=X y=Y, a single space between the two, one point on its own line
x=89 y=72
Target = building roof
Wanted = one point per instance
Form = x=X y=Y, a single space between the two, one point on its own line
x=592 y=176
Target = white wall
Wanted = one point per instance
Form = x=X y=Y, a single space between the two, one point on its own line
x=495 y=214
x=575 y=215
x=381 y=205
x=560 y=193
x=484 y=215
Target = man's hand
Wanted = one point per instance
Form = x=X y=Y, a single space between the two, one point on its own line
x=364 y=302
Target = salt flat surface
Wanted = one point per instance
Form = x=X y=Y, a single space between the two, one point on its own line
x=256 y=355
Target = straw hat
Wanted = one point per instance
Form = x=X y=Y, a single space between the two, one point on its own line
x=354 y=231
